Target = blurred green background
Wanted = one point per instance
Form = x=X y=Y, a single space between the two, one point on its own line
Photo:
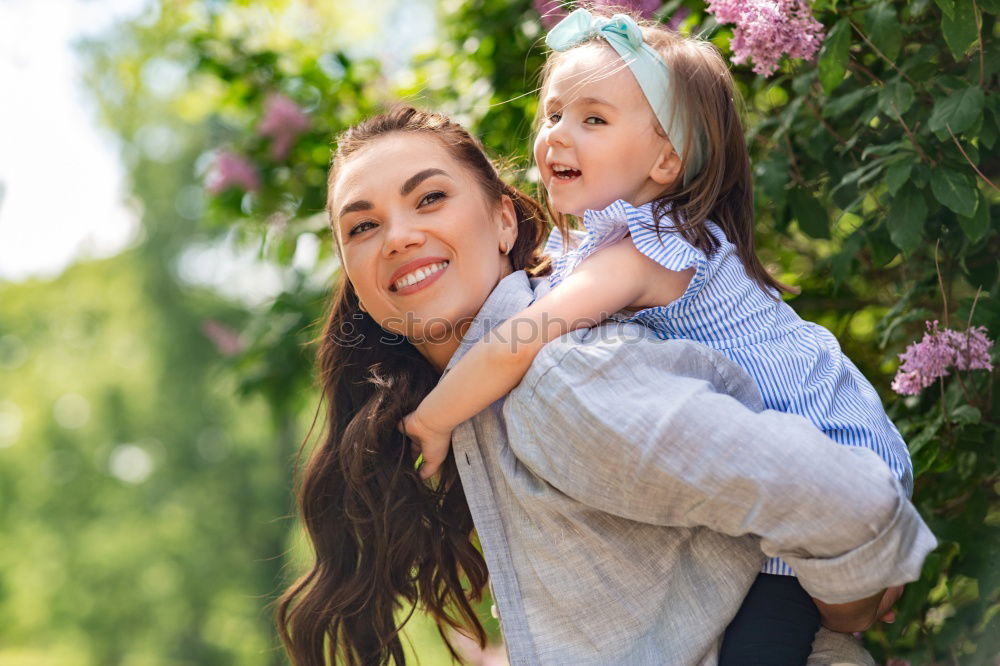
x=155 y=379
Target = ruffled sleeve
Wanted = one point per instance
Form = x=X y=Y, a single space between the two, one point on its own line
x=603 y=228
x=668 y=248
x=554 y=244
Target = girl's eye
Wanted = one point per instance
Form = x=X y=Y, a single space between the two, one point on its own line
x=431 y=197
x=553 y=118
x=594 y=120
x=360 y=227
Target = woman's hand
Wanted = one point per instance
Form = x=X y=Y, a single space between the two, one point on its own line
x=428 y=442
x=859 y=615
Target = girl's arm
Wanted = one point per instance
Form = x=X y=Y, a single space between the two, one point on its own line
x=616 y=277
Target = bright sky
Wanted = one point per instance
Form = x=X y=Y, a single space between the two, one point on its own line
x=62 y=189
x=62 y=185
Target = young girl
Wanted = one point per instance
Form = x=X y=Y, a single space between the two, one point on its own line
x=641 y=138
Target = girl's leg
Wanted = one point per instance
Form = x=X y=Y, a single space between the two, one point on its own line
x=775 y=626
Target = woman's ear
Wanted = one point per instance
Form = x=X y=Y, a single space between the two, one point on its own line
x=508 y=221
x=667 y=167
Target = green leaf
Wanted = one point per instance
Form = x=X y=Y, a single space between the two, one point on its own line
x=958 y=111
x=907 y=213
x=991 y=6
x=956 y=191
x=925 y=436
x=975 y=226
x=947 y=7
x=988 y=135
x=965 y=415
x=882 y=150
x=883 y=250
x=897 y=174
x=811 y=216
x=896 y=98
x=959 y=28
x=884 y=31
x=840 y=104
x=833 y=56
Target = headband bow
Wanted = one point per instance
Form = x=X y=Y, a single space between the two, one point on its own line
x=646 y=65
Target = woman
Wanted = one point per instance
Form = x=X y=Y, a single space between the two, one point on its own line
x=615 y=528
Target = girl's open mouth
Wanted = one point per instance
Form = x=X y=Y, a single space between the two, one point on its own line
x=564 y=172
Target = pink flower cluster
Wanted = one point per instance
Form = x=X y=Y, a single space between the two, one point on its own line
x=767 y=29
x=552 y=11
x=283 y=122
x=227 y=341
x=941 y=348
x=231 y=170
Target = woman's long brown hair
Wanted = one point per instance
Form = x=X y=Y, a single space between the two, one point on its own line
x=706 y=102
x=385 y=543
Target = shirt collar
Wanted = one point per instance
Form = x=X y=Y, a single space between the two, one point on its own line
x=511 y=295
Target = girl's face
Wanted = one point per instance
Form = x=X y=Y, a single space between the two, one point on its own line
x=418 y=240
x=598 y=142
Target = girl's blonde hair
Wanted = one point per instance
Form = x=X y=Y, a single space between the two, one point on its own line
x=721 y=190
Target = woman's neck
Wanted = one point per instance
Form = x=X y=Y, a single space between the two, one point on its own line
x=440 y=352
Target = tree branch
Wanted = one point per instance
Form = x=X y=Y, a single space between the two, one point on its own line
x=969 y=160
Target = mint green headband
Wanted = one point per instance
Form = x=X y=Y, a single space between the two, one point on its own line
x=648 y=68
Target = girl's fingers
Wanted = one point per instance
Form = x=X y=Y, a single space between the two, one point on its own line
x=428 y=469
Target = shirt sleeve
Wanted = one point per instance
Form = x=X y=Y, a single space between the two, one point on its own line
x=651 y=431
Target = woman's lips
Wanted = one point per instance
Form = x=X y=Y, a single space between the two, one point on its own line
x=426 y=282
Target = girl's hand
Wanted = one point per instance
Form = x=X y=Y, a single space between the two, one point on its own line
x=862 y=614
x=427 y=442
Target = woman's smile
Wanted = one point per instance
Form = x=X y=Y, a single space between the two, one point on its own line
x=418 y=274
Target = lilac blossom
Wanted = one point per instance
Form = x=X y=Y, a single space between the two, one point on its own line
x=644 y=8
x=227 y=341
x=677 y=18
x=553 y=11
x=283 y=122
x=974 y=351
x=231 y=170
x=767 y=29
x=924 y=362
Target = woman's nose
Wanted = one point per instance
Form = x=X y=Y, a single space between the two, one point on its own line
x=401 y=236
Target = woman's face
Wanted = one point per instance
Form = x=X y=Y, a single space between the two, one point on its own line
x=419 y=241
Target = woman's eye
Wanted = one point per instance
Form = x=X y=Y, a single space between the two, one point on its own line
x=360 y=227
x=430 y=198
x=594 y=120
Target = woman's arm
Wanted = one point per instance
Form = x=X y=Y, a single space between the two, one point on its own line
x=614 y=278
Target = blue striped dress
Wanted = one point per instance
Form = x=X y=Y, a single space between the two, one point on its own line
x=798 y=365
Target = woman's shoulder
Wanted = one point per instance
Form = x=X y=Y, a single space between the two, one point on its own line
x=590 y=362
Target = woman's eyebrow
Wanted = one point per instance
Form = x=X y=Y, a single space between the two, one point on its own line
x=410 y=184
x=355 y=206
x=418 y=178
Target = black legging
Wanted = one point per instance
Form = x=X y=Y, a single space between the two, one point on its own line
x=775 y=626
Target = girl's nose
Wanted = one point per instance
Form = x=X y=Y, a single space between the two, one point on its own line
x=401 y=236
x=558 y=134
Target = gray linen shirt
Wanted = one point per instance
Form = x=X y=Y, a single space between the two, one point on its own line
x=627 y=491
